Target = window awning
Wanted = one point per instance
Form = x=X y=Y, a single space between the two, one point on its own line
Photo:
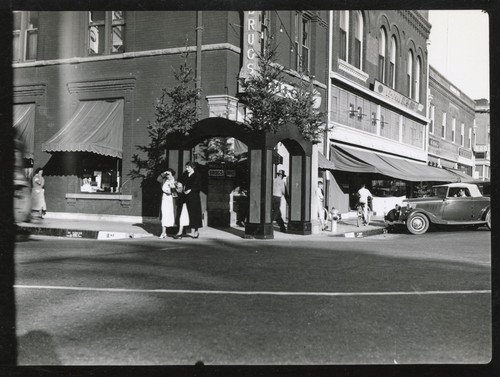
x=371 y=162
x=463 y=177
x=96 y=126
x=324 y=163
x=24 y=123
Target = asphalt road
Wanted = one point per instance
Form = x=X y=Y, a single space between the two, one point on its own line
x=389 y=299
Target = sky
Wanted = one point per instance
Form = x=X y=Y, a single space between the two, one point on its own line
x=459 y=49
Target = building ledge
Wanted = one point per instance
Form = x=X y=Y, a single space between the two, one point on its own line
x=99 y=196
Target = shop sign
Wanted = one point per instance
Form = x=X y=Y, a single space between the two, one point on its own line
x=465 y=153
x=251 y=42
x=434 y=143
x=216 y=173
x=397 y=97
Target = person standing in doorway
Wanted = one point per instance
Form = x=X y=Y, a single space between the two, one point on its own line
x=167 y=182
x=38 y=193
x=191 y=180
x=363 y=195
x=279 y=191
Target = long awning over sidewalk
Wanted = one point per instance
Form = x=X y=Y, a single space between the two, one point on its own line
x=361 y=161
x=96 y=126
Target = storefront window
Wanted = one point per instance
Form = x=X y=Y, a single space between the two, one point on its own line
x=388 y=187
x=99 y=173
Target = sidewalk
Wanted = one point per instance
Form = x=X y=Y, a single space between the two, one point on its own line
x=112 y=230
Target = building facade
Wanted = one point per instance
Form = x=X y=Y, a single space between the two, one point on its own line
x=481 y=145
x=378 y=110
x=85 y=84
x=451 y=126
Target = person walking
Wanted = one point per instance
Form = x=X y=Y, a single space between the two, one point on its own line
x=38 y=193
x=363 y=195
x=169 y=193
x=191 y=180
x=279 y=191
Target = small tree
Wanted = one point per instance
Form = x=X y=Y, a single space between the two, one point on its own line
x=175 y=112
x=270 y=108
x=216 y=149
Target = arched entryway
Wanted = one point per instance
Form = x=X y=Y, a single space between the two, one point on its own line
x=260 y=170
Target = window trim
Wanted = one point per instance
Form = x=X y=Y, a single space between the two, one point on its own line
x=409 y=74
x=418 y=82
x=393 y=63
x=22 y=34
x=301 y=19
x=109 y=25
x=454 y=130
x=432 y=123
x=344 y=16
x=443 y=126
x=358 y=36
x=382 y=47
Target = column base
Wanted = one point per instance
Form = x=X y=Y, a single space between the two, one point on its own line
x=259 y=231
x=299 y=227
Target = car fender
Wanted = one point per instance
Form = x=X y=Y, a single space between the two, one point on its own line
x=484 y=211
x=432 y=218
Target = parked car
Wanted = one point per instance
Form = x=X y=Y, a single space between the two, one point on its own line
x=448 y=204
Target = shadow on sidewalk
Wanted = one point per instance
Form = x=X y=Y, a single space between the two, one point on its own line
x=152 y=228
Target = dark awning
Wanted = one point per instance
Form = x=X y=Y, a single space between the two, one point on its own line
x=371 y=162
x=324 y=163
x=463 y=176
x=96 y=126
x=24 y=123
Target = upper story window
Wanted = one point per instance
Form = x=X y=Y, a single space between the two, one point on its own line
x=409 y=74
x=382 y=42
x=453 y=130
x=302 y=41
x=344 y=34
x=106 y=32
x=418 y=72
x=392 y=63
x=462 y=134
x=443 y=126
x=24 y=36
x=431 y=123
x=357 y=58
x=469 y=143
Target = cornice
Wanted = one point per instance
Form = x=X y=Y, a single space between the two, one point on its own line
x=29 y=90
x=417 y=21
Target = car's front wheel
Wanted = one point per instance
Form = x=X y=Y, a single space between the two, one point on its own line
x=488 y=219
x=417 y=223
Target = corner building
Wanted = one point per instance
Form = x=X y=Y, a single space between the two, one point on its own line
x=378 y=108
x=85 y=84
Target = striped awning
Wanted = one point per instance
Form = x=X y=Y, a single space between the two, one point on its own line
x=96 y=126
x=24 y=124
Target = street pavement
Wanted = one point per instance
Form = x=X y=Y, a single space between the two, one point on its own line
x=386 y=299
x=69 y=227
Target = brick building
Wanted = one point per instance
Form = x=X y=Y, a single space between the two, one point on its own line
x=87 y=82
x=378 y=107
x=451 y=126
x=481 y=144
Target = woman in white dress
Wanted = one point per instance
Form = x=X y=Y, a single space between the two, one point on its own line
x=169 y=192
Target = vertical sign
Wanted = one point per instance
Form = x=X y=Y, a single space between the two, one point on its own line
x=251 y=43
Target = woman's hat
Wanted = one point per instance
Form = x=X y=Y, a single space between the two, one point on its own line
x=282 y=173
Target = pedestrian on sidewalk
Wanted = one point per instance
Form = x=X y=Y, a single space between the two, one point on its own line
x=38 y=193
x=320 y=204
x=169 y=194
x=182 y=215
x=364 y=199
x=279 y=190
x=191 y=180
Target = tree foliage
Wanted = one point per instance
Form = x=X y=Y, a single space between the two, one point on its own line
x=270 y=104
x=176 y=110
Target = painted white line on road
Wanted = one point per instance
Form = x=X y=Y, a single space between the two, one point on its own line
x=249 y=293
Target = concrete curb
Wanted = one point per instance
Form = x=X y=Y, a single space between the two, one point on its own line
x=363 y=233
x=78 y=233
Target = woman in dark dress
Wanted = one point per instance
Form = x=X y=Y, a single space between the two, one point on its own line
x=191 y=180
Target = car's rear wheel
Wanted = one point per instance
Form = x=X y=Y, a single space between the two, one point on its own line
x=488 y=219
x=417 y=223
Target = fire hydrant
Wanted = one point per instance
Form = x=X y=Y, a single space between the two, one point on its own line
x=334 y=217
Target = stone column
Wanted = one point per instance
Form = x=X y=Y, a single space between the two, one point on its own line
x=259 y=223
x=300 y=194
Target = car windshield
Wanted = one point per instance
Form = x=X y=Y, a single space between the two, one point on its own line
x=439 y=191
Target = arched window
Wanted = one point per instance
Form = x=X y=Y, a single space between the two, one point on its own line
x=392 y=65
x=344 y=34
x=382 y=42
x=358 y=40
x=418 y=72
x=409 y=74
